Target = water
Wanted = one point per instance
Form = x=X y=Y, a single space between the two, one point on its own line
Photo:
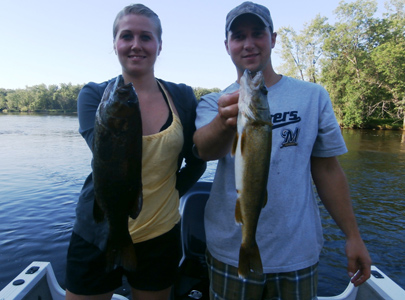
x=44 y=162
x=375 y=169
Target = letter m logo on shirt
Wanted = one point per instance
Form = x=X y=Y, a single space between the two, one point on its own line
x=290 y=137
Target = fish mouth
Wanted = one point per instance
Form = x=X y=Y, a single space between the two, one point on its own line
x=124 y=91
x=252 y=76
x=255 y=80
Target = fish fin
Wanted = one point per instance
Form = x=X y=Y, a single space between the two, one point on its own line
x=128 y=258
x=266 y=196
x=235 y=144
x=249 y=260
x=124 y=256
x=242 y=142
x=136 y=207
x=98 y=212
x=238 y=213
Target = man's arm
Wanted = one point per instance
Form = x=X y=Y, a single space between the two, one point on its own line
x=215 y=139
x=333 y=190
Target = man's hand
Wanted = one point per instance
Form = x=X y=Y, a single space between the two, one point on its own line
x=228 y=108
x=333 y=190
x=215 y=139
x=359 y=261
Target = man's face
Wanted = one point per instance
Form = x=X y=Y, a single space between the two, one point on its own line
x=249 y=44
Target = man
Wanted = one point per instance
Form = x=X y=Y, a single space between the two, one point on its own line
x=306 y=141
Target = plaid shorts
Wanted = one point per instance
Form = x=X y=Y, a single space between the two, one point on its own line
x=225 y=283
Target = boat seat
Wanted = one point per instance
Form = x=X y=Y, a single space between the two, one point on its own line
x=192 y=282
x=192 y=206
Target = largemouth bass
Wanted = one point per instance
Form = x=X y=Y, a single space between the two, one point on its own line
x=252 y=151
x=117 y=166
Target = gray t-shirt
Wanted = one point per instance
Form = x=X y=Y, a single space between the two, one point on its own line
x=289 y=232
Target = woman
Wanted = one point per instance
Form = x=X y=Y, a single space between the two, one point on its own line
x=168 y=113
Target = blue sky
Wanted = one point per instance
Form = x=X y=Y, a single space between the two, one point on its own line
x=70 y=41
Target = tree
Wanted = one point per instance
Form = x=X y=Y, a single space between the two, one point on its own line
x=347 y=57
x=16 y=99
x=359 y=60
x=199 y=92
x=3 y=99
x=301 y=52
x=389 y=61
x=66 y=96
x=291 y=53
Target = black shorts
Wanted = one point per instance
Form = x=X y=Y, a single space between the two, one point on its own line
x=157 y=268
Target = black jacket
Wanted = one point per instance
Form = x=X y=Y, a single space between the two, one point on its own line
x=187 y=174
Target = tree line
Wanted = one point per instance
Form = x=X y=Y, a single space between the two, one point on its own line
x=40 y=98
x=360 y=60
x=63 y=98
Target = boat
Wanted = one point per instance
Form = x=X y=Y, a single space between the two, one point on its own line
x=38 y=281
x=193 y=282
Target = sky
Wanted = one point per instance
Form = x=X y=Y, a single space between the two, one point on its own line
x=70 y=41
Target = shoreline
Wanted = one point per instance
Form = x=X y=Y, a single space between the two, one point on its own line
x=379 y=124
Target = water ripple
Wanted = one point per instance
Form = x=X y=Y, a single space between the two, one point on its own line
x=45 y=162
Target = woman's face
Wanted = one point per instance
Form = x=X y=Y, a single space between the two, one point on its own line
x=137 y=45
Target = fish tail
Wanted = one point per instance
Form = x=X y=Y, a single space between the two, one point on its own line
x=128 y=259
x=136 y=207
x=234 y=144
x=98 y=212
x=249 y=260
x=121 y=256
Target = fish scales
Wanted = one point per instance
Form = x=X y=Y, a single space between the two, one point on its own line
x=117 y=169
x=252 y=152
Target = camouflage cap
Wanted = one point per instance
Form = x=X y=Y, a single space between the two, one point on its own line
x=249 y=8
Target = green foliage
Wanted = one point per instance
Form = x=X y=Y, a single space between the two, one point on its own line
x=54 y=98
x=199 y=92
x=301 y=52
x=3 y=100
x=360 y=60
x=391 y=124
x=40 y=98
x=66 y=96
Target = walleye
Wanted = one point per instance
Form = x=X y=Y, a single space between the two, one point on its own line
x=252 y=151
x=117 y=166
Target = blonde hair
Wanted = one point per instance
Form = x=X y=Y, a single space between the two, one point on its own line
x=138 y=9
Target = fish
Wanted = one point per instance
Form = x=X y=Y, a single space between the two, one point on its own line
x=252 y=151
x=117 y=169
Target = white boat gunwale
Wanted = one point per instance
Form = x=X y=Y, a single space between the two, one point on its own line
x=27 y=284
x=379 y=286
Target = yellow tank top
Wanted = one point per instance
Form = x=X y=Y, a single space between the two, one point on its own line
x=160 y=210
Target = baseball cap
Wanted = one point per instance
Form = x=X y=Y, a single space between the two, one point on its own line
x=249 y=8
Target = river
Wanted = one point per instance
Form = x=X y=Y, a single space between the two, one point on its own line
x=44 y=162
